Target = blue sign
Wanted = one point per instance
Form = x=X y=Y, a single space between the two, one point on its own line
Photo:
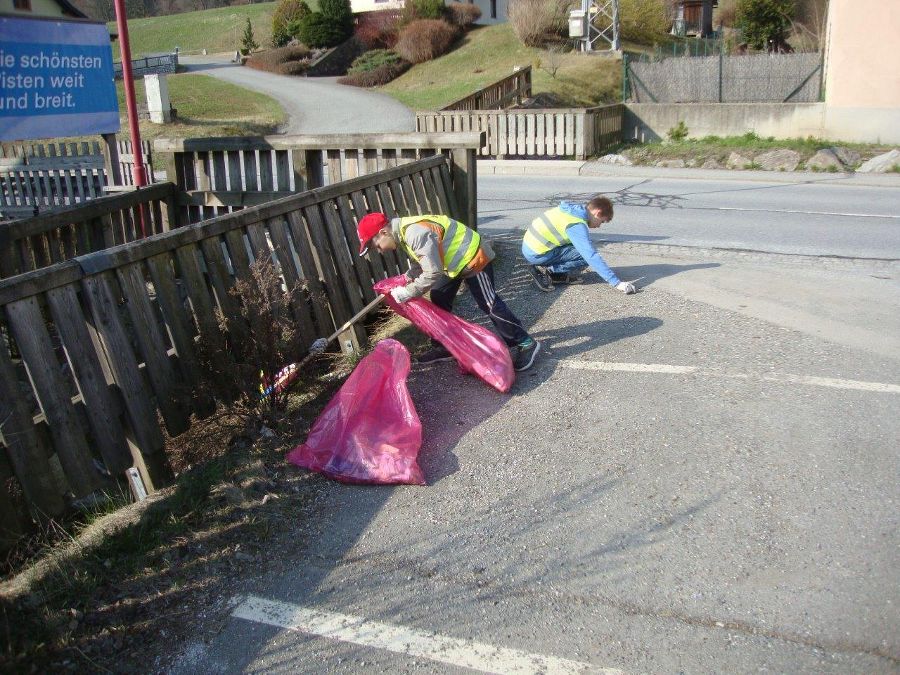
x=56 y=79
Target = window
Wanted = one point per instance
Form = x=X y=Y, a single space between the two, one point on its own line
x=22 y=5
x=493 y=9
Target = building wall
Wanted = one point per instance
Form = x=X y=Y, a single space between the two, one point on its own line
x=862 y=71
x=38 y=8
x=862 y=62
x=650 y=121
x=372 y=5
x=501 y=7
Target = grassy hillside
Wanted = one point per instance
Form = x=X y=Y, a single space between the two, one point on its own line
x=489 y=53
x=207 y=107
x=216 y=30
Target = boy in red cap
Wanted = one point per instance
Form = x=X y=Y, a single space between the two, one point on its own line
x=445 y=253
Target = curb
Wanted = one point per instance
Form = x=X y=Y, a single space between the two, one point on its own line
x=550 y=167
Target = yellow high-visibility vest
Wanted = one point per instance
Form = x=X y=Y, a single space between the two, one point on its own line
x=548 y=230
x=458 y=243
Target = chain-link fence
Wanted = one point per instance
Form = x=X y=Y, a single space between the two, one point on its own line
x=721 y=78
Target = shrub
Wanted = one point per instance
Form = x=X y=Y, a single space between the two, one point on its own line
x=414 y=10
x=318 y=30
x=286 y=13
x=339 y=12
x=536 y=22
x=644 y=21
x=764 y=23
x=284 y=60
x=463 y=14
x=377 y=76
x=678 y=133
x=425 y=39
x=372 y=59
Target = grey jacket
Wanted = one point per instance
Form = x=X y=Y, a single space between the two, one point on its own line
x=429 y=271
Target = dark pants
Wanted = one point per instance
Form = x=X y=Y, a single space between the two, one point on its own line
x=481 y=286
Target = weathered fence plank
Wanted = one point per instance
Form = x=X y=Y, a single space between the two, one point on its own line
x=535 y=133
x=30 y=332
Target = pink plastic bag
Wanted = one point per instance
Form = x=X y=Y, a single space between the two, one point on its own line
x=370 y=431
x=476 y=349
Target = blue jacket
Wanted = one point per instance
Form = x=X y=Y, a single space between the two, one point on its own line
x=581 y=240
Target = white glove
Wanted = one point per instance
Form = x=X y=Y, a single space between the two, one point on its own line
x=626 y=287
x=400 y=294
x=318 y=346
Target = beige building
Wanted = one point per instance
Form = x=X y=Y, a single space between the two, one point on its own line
x=862 y=71
x=40 y=8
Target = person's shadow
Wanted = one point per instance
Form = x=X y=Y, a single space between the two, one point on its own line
x=561 y=342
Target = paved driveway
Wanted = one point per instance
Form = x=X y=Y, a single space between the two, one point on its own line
x=314 y=105
x=677 y=486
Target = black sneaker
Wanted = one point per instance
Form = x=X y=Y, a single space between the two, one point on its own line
x=565 y=278
x=540 y=278
x=434 y=355
x=523 y=355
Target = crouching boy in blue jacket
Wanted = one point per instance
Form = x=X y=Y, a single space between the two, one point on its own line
x=557 y=245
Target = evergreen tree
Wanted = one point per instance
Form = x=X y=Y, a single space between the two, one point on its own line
x=248 y=42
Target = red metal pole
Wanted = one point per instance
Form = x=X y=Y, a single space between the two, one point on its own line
x=140 y=177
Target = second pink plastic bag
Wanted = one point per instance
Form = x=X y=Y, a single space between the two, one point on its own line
x=370 y=431
x=476 y=349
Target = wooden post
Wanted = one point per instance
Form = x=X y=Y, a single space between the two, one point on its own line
x=111 y=159
x=301 y=170
x=464 y=177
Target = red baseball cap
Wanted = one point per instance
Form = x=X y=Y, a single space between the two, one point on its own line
x=368 y=227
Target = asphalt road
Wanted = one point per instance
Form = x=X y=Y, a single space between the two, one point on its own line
x=313 y=105
x=831 y=216
x=698 y=478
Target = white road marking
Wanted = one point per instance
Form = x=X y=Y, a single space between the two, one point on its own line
x=832 y=382
x=800 y=211
x=629 y=367
x=359 y=630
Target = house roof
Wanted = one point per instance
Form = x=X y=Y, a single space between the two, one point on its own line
x=71 y=10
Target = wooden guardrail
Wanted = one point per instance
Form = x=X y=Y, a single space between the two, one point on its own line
x=497 y=95
x=31 y=243
x=38 y=177
x=221 y=175
x=578 y=133
x=96 y=353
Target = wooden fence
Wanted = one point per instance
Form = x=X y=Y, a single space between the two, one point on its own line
x=98 y=353
x=32 y=243
x=497 y=95
x=579 y=133
x=39 y=177
x=221 y=175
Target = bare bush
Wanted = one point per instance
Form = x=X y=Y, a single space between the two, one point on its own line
x=425 y=39
x=536 y=22
x=251 y=349
x=463 y=14
x=378 y=30
x=284 y=60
